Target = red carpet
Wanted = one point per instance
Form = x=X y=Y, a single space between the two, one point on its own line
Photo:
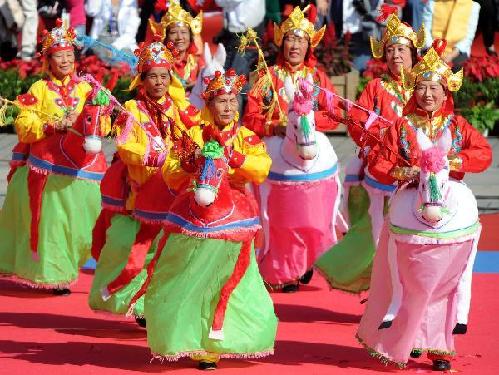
x=489 y=239
x=42 y=334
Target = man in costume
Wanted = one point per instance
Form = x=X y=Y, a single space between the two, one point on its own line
x=180 y=28
x=53 y=201
x=347 y=265
x=205 y=297
x=432 y=227
x=145 y=135
x=266 y=115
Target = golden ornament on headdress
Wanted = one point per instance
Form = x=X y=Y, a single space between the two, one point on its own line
x=59 y=37
x=397 y=32
x=298 y=21
x=154 y=54
x=432 y=68
x=223 y=83
x=176 y=15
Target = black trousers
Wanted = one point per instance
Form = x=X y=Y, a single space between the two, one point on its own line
x=487 y=22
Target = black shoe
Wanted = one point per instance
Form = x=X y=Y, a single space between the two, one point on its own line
x=290 y=288
x=385 y=325
x=141 y=321
x=61 y=292
x=460 y=329
x=491 y=52
x=207 y=366
x=441 y=365
x=416 y=353
x=305 y=279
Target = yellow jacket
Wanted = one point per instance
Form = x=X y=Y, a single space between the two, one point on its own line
x=145 y=142
x=43 y=104
x=254 y=168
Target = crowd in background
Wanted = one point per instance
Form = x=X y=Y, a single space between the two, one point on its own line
x=124 y=22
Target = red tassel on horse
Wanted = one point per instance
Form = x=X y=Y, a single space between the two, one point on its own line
x=240 y=268
x=136 y=258
x=36 y=185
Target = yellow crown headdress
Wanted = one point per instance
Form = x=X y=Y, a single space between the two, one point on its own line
x=222 y=83
x=176 y=15
x=397 y=32
x=298 y=21
x=59 y=38
x=432 y=68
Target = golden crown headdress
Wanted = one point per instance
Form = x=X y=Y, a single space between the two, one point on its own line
x=397 y=32
x=176 y=15
x=432 y=68
x=223 y=83
x=298 y=21
x=59 y=38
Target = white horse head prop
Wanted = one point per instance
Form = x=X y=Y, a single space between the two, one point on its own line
x=212 y=64
x=301 y=121
x=433 y=206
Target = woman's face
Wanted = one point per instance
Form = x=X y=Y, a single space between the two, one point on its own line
x=180 y=36
x=156 y=82
x=398 y=56
x=295 y=48
x=61 y=63
x=223 y=108
x=430 y=95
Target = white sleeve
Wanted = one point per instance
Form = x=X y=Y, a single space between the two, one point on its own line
x=464 y=45
x=228 y=5
x=427 y=21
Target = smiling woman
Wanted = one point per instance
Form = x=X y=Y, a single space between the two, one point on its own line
x=45 y=232
x=61 y=63
x=427 y=152
x=180 y=28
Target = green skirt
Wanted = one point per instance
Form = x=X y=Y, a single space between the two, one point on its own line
x=347 y=265
x=183 y=294
x=119 y=239
x=69 y=210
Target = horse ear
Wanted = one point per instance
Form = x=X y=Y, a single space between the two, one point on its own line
x=445 y=141
x=207 y=54
x=423 y=141
x=289 y=88
x=220 y=54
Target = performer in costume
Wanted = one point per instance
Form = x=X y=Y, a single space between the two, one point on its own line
x=53 y=201
x=296 y=38
x=121 y=243
x=205 y=297
x=432 y=225
x=179 y=27
x=284 y=260
x=347 y=265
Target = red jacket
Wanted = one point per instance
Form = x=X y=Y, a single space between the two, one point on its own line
x=400 y=147
x=257 y=116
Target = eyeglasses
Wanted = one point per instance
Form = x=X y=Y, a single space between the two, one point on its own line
x=296 y=40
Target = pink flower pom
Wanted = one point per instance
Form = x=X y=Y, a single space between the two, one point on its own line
x=433 y=160
x=303 y=103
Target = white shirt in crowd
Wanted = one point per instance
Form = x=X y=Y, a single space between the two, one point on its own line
x=240 y=15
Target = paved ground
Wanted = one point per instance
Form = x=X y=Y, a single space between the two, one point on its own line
x=484 y=185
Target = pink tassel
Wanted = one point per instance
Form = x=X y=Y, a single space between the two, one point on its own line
x=329 y=101
x=126 y=130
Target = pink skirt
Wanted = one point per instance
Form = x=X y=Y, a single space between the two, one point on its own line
x=301 y=228
x=429 y=275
